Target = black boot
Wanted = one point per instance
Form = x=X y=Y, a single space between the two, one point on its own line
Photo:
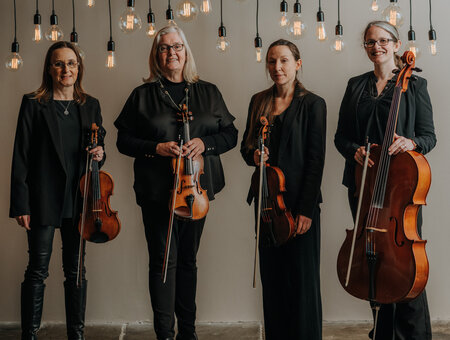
x=32 y=300
x=182 y=336
x=75 y=307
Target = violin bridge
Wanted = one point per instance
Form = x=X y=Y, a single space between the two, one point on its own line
x=377 y=229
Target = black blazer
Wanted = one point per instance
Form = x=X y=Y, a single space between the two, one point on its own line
x=301 y=154
x=149 y=117
x=415 y=121
x=38 y=176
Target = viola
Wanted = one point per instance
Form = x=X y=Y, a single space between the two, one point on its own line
x=98 y=222
x=274 y=222
x=383 y=259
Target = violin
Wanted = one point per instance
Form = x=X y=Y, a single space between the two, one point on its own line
x=98 y=222
x=191 y=201
x=188 y=201
x=383 y=259
x=274 y=222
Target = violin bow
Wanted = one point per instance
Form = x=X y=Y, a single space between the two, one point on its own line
x=172 y=214
x=358 y=211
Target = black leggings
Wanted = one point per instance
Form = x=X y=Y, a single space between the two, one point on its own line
x=40 y=242
x=177 y=295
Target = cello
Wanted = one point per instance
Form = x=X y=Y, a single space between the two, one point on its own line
x=274 y=222
x=383 y=259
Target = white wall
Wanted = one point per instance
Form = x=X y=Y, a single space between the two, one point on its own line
x=117 y=271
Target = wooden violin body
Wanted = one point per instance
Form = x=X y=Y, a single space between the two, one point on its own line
x=401 y=270
x=98 y=222
x=277 y=224
x=191 y=201
x=101 y=222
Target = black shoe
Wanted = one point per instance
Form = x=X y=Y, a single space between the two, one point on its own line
x=182 y=336
x=75 y=298
x=32 y=300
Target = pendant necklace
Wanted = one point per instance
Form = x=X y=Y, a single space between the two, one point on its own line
x=66 y=111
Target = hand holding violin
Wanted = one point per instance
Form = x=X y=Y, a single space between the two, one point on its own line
x=401 y=144
x=257 y=155
x=168 y=149
x=97 y=153
x=193 y=149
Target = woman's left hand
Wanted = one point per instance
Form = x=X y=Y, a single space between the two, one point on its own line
x=303 y=224
x=97 y=153
x=193 y=149
x=401 y=144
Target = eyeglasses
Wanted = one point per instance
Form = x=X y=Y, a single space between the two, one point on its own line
x=381 y=42
x=61 y=64
x=165 y=48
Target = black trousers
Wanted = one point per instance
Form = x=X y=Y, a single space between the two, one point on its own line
x=290 y=276
x=401 y=321
x=40 y=246
x=177 y=295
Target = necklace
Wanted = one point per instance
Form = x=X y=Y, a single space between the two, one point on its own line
x=186 y=98
x=66 y=111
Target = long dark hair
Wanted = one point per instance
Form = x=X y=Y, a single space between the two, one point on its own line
x=264 y=101
x=45 y=91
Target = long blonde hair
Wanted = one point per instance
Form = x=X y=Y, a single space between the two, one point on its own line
x=264 y=101
x=190 y=74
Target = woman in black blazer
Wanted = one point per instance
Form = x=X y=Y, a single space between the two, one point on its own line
x=363 y=113
x=48 y=162
x=149 y=130
x=290 y=273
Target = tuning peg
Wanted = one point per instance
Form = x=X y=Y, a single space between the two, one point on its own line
x=395 y=71
x=417 y=69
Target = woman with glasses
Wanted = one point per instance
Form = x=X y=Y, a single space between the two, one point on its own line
x=149 y=131
x=48 y=162
x=290 y=273
x=363 y=113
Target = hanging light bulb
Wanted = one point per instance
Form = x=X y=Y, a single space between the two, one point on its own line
x=54 y=32
x=321 y=32
x=297 y=26
x=432 y=37
x=258 y=49
x=111 y=58
x=412 y=45
x=206 y=7
x=169 y=16
x=223 y=43
x=338 y=42
x=130 y=20
x=284 y=21
x=392 y=14
x=186 y=10
x=374 y=7
x=14 y=61
x=90 y=3
x=37 y=37
x=151 y=29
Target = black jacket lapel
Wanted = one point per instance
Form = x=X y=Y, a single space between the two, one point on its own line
x=52 y=122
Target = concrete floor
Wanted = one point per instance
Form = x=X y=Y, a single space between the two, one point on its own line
x=216 y=331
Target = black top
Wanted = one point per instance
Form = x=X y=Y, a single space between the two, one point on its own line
x=301 y=151
x=373 y=110
x=69 y=126
x=415 y=121
x=176 y=90
x=149 y=117
x=274 y=139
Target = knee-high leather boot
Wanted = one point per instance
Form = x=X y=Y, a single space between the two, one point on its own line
x=75 y=309
x=32 y=300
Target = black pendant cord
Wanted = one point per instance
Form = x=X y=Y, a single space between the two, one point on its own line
x=221 y=17
x=149 y=5
x=37 y=6
x=257 y=14
x=410 y=15
x=73 y=15
x=339 y=12
x=15 y=23
x=169 y=5
x=320 y=5
x=431 y=25
x=53 y=6
x=110 y=24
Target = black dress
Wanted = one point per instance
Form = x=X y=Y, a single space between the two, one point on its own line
x=290 y=274
x=364 y=113
x=149 y=117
